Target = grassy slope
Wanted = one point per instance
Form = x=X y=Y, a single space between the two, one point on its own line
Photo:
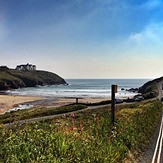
x=38 y=76
x=5 y=76
x=38 y=112
x=150 y=89
x=87 y=138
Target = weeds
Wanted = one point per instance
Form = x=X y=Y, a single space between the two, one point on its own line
x=83 y=137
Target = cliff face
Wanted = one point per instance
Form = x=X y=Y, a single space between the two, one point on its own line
x=13 y=79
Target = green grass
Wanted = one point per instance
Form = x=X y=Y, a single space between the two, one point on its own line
x=86 y=138
x=136 y=125
x=4 y=75
x=38 y=112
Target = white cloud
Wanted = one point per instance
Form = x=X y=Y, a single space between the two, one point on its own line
x=153 y=33
x=137 y=37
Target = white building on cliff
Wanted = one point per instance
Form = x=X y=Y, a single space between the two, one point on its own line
x=27 y=67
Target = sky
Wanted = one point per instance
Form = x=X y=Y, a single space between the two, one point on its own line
x=84 y=38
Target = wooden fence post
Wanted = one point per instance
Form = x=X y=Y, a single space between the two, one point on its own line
x=114 y=90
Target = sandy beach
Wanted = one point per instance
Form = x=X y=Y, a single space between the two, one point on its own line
x=65 y=101
x=8 y=102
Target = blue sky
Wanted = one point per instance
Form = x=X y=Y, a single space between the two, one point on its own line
x=84 y=38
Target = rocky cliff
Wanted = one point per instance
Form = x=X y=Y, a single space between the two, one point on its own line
x=13 y=79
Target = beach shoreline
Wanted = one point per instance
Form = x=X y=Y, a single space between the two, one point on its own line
x=8 y=102
x=86 y=90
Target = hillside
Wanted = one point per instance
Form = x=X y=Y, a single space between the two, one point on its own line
x=13 y=79
x=150 y=89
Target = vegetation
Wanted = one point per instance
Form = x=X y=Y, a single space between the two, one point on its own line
x=99 y=103
x=12 y=79
x=150 y=89
x=84 y=137
x=38 y=112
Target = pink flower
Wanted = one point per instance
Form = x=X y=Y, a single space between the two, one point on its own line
x=72 y=115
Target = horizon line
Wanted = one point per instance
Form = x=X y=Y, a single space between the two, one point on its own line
x=109 y=78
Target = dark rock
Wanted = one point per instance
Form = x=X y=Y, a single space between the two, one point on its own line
x=4 y=86
x=135 y=90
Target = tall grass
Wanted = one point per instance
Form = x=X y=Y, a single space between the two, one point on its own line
x=86 y=137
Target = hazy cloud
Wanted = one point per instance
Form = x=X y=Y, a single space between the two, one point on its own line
x=152 y=33
x=153 y=4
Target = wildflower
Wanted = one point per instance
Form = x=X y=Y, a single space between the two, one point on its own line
x=73 y=123
x=98 y=122
x=64 y=116
x=81 y=125
x=72 y=114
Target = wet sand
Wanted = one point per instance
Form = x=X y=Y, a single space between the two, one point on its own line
x=65 y=101
x=8 y=102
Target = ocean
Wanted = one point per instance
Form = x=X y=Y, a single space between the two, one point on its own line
x=93 y=88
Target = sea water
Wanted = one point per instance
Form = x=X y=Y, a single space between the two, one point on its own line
x=93 y=88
